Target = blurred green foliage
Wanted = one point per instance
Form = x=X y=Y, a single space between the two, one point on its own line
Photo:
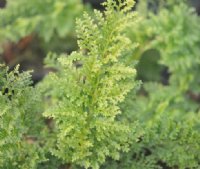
x=47 y=18
x=30 y=29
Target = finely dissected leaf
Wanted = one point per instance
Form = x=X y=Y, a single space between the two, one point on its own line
x=89 y=86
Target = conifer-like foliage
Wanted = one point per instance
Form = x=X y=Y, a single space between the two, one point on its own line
x=20 y=121
x=88 y=87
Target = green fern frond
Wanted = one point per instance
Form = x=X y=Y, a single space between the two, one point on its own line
x=93 y=81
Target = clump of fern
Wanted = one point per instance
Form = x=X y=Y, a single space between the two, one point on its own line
x=169 y=129
x=21 y=123
x=89 y=86
x=168 y=113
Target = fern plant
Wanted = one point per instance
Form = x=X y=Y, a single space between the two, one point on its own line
x=168 y=114
x=88 y=87
x=94 y=118
x=20 y=121
x=169 y=130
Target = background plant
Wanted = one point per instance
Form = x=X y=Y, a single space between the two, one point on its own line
x=168 y=110
x=21 y=124
x=28 y=30
x=48 y=18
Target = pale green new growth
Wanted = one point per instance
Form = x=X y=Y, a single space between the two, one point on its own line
x=91 y=83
